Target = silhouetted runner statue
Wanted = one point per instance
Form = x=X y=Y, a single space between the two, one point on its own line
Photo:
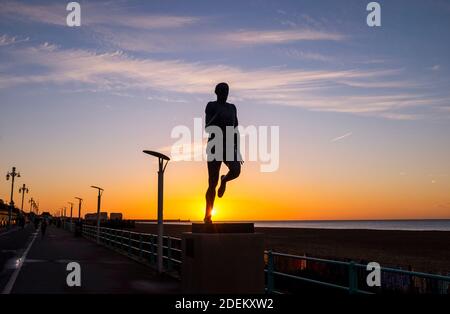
x=220 y=113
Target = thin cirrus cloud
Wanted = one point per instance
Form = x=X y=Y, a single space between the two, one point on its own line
x=148 y=22
x=317 y=90
x=339 y=138
x=279 y=37
x=301 y=54
x=96 y=13
x=174 y=75
x=49 y=14
x=113 y=24
x=168 y=42
x=6 y=40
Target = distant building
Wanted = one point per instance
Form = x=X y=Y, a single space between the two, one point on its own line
x=115 y=216
x=103 y=216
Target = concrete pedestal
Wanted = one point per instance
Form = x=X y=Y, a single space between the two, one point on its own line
x=223 y=258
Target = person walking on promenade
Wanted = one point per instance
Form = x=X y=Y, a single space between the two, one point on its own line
x=43 y=226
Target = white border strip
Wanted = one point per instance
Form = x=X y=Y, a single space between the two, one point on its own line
x=13 y=278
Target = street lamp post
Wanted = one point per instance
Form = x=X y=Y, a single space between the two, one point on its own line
x=99 y=199
x=80 y=200
x=71 y=209
x=23 y=190
x=31 y=201
x=64 y=225
x=162 y=164
x=11 y=175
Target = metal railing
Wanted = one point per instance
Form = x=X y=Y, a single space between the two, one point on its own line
x=352 y=269
x=143 y=248
x=139 y=246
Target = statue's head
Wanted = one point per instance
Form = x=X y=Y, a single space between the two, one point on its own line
x=221 y=91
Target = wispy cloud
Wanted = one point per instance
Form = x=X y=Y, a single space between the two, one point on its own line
x=110 y=23
x=341 y=137
x=151 y=21
x=6 y=40
x=277 y=37
x=308 y=55
x=389 y=84
x=435 y=67
x=206 y=40
x=144 y=41
x=167 y=99
x=90 y=67
x=95 y=13
x=318 y=90
x=49 y=14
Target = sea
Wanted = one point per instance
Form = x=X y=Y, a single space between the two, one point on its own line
x=411 y=225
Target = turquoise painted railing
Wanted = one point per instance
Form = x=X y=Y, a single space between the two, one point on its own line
x=352 y=267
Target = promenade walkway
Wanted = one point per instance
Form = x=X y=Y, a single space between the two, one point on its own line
x=40 y=267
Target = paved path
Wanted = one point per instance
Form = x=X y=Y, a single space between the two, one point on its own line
x=12 y=244
x=42 y=268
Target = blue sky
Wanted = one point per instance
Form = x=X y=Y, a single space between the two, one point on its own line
x=82 y=101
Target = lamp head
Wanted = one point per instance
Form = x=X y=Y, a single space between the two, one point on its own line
x=96 y=187
x=156 y=154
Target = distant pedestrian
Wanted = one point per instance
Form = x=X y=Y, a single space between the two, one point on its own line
x=43 y=226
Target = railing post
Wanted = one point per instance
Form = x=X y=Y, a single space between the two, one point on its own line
x=121 y=239
x=352 y=278
x=129 y=242
x=270 y=269
x=152 y=250
x=140 y=245
x=169 y=254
